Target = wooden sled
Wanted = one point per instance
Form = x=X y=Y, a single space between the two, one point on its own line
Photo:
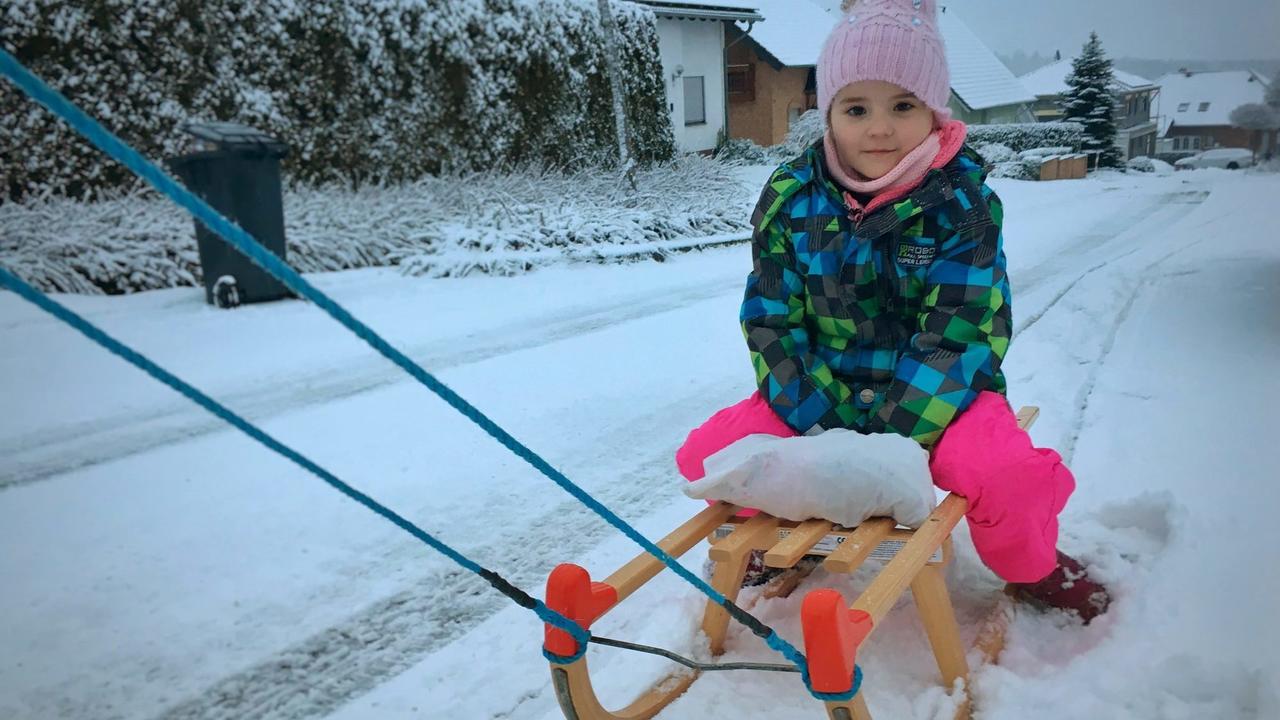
x=916 y=559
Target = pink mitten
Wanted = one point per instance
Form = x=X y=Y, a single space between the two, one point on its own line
x=1015 y=490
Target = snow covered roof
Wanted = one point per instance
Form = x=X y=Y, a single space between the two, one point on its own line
x=1052 y=79
x=705 y=9
x=793 y=31
x=1207 y=98
x=977 y=76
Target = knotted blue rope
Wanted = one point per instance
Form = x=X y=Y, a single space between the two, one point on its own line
x=38 y=90
x=89 y=330
x=836 y=697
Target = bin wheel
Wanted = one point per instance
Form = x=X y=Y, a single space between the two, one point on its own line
x=225 y=292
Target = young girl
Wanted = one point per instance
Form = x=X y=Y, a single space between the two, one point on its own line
x=878 y=301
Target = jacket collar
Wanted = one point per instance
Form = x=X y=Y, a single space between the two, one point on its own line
x=936 y=190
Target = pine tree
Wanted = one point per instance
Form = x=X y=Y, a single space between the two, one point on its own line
x=1090 y=102
x=1272 y=96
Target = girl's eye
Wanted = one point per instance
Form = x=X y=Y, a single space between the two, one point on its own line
x=856 y=110
x=904 y=106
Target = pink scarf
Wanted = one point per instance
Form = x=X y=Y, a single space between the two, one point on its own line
x=938 y=149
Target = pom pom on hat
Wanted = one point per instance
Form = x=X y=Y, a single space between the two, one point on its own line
x=895 y=41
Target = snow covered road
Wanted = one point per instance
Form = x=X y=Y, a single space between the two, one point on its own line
x=162 y=567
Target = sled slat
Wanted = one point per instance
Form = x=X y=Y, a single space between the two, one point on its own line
x=758 y=532
x=853 y=551
x=794 y=546
x=1027 y=416
x=644 y=567
x=884 y=591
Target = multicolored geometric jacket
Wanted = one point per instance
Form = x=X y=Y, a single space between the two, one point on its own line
x=893 y=322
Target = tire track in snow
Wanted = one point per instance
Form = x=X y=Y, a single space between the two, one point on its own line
x=322 y=672
x=29 y=459
x=1095 y=371
x=1164 y=212
x=1108 y=344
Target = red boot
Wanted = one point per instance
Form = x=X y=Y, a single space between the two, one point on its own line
x=1069 y=588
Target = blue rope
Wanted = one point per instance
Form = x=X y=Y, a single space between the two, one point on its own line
x=242 y=241
x=11 y=281
x=836 y=697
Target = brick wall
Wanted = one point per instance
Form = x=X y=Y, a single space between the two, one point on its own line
x=762 y=114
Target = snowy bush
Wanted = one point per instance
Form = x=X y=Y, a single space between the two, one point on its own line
x=804 y=132
x=1044 y=152
x=1141 y=164
x=1017 y=169
x=995 y=152
x=441 y=226
x=742 y=151
x=1025 y=136
x=362 y=90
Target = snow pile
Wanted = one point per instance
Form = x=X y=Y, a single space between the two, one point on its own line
x=362 y=90
x=1149 y=165
x=440 y=226
x=837 y=475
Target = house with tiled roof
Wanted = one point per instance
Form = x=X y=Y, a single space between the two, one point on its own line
x=1194 y=110
x=771 y=70
x=1134 y=95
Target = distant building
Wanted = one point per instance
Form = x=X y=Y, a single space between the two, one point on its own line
x=1194 y=107
x=691 y=46
x=771 y=70
x=1135 y=127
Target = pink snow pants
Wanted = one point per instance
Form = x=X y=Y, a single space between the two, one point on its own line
x=1015 y=490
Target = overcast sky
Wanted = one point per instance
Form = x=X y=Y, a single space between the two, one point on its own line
x=1157 y=29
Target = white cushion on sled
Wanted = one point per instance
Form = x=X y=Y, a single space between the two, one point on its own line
x=838 y=475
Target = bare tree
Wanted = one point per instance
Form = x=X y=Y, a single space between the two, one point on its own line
x=1272 y=97
x=1256 y=117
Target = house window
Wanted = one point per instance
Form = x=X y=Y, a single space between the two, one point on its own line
x=695 y=100
x=1195 y=143
x=1204 y=107
x=1182 y=107
x=741 y=82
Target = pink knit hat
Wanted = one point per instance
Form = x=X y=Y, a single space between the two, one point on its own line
x=895 y=41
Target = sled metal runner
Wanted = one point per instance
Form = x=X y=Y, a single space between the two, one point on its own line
x=833 y=630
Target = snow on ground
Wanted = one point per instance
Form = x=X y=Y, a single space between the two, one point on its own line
x=160 y=566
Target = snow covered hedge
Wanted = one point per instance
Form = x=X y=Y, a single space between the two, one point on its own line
x=1026 y=136
x=500 y=223
x=363 y=90
x=805 y=131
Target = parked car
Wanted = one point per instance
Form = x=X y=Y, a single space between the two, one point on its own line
x=1229 y=158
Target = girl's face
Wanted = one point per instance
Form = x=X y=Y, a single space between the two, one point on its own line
x=875 y=124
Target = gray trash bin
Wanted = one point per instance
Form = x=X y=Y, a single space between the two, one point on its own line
x=236 y=169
